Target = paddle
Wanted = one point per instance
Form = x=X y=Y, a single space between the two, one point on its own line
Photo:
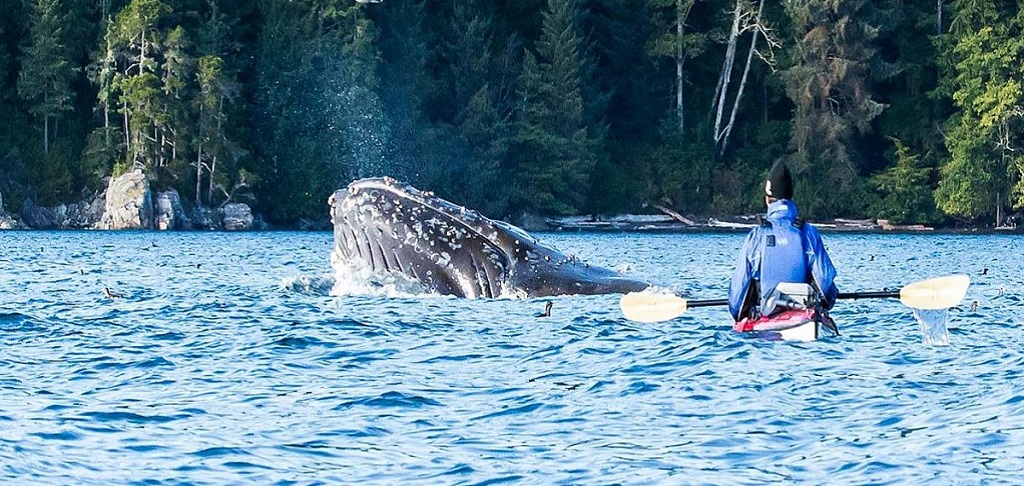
x=935 y=293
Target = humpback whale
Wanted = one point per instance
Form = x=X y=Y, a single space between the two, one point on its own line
x=395 y=228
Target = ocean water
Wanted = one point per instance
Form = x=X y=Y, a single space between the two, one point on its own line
x=243 y=359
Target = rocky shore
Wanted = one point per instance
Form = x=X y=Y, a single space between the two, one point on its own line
x=128 y=203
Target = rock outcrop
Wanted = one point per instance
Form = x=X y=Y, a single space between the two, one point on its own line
x=38 y=217
x=129 y=203
x=203 y=218
x=6 y=220
x=170 y=214
x=236 y=217
x=79 y=215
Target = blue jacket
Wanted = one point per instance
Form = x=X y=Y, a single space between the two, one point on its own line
x=781 y=249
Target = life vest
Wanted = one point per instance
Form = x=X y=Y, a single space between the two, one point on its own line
x=782 y=256
x=780 y=249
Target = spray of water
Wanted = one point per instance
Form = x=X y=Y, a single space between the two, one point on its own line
x=933 y=326
x=365 y=130
x=309 y=285
x=357 y=278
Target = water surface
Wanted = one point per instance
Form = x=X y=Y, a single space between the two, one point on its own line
x=228 y=360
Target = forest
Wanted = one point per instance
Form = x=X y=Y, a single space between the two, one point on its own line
x=907 y=110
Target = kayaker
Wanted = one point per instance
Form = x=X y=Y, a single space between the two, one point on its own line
x=782 y=248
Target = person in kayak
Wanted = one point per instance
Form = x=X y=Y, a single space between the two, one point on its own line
x=782 y=248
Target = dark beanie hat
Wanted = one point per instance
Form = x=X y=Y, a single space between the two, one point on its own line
x=780 y=182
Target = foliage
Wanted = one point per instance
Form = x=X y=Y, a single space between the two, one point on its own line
x=47 y=70
x=543 y=106
x=679 y=174
x=905 y=189
x=554 y=151
x=829 y=84
x=473 y=103
x=984 y=138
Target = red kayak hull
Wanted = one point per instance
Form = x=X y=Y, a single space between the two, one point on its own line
x=791 y=324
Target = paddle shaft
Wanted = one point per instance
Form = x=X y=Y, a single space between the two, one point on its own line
x=934 y=293
x=707 y=303
x=885 y=294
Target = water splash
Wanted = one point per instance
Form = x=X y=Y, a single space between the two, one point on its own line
x=357 y=278
x=934 y=325
x=308 y=285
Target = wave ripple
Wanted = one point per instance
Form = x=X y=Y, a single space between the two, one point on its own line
x=254 y=367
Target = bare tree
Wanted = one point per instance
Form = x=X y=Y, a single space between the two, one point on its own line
x=744 y=20
x=759 y=30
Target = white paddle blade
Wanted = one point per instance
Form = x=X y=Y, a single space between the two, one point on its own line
x=936 y=293
x=642 y=307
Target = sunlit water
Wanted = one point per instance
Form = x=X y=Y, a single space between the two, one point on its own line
x=227 y=360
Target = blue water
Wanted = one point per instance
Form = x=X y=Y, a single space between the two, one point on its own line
x=227 y=360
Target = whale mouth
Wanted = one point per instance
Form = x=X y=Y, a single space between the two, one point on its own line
x=395 y=228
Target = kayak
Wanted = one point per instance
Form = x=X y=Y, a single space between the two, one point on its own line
x=786 y=325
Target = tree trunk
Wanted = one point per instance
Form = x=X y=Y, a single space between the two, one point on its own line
x=999 y=210
x=127 y=134
x=723 y=80
x=46 y=135
x=199 y=159
x=199 y=175
x=680 y=115
x=680 y=18
x=743 y=80
x=209 y=191
x=142 y=51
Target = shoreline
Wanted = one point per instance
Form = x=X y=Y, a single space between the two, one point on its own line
x=826 y=230
x=666 y=223
x=741 y=224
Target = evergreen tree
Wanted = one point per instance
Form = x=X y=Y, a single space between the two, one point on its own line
x=912 y=118
x=906 y=195
x=216 y=151
x=105 y=145
x=405 y=84
x=471 y=105
x=626 y=77
x=511 y=107
x=905 y=51
x=677 y=40
x=829 y=82
x=10 y=23
x=465 y=59
x=139 y=38
x=554 y=151
x=175 y=125
x=47 y=70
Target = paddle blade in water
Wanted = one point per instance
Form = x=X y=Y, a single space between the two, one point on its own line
x=643 y=307
x=936 y=293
